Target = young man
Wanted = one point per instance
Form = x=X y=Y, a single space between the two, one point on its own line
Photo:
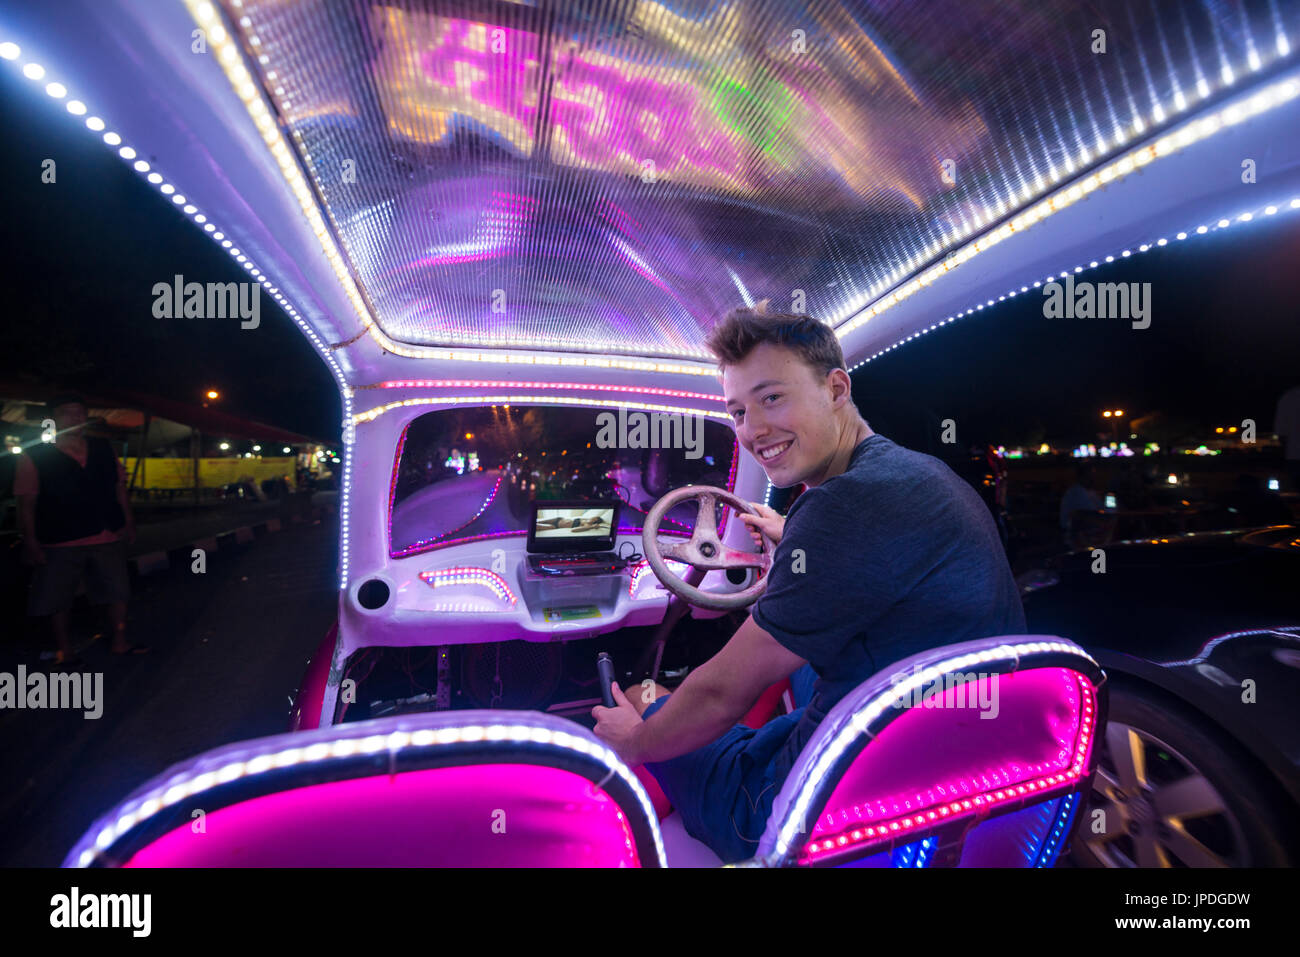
x=897 y=555
x=74 y=517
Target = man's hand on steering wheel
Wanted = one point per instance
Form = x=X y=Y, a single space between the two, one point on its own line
x=766 y=520
x=704 y=550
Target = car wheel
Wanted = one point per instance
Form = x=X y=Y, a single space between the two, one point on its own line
x=1173 y=795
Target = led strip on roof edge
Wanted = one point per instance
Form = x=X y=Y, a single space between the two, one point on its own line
x=1191 y=131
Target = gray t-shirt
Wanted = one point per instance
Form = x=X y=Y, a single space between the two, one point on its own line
x=894 y=556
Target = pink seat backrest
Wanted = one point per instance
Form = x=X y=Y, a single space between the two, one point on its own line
x=452 y=789
x=937 y=744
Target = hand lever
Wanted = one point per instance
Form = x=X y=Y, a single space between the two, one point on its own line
x=605 y=669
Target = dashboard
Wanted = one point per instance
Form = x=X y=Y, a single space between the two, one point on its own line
x=486 y=591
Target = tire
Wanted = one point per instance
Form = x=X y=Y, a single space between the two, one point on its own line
x=1183 y=798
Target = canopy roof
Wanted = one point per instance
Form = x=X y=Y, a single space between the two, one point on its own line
x=622 y=174
x=433 y=180
x=22 y=403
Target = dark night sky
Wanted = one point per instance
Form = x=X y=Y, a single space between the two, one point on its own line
x=1223 y=344
x=82 y=257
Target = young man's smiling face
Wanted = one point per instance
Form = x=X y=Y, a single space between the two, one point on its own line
x=787 y=416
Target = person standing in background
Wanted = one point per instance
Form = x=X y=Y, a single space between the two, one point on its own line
x=1082 y=496
x=1286 y=424
x=76 y=521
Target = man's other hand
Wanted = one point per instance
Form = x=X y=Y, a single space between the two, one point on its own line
x=618 y=726
x=767 y=519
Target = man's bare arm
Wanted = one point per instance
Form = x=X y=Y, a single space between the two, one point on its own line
x=716 y=695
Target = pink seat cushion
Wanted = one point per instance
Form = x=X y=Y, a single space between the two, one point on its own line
x=765 y=709
x=768 y=705
x=663 y=806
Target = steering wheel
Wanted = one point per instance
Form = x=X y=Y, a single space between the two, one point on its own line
x=704 y=550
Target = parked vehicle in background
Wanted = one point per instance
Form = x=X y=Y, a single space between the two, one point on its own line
x=1200 y=638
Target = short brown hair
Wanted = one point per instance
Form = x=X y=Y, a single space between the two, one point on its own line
x=741 y=330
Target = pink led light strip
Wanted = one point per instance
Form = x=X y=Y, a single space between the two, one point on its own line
x=987 y=798
x=392 y=482
x=510 y=384
x=466 y=575
x=639 y=570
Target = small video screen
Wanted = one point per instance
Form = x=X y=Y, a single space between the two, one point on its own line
x=573 y=522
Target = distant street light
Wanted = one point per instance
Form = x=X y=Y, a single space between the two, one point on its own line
x=225 y=446
x=1114 y=416
x=213 y=394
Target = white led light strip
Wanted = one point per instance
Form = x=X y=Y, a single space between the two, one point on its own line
x=174 y=791
x=462 y=575
x=1265 y=211
x=1176 y=139
x=894 y=696
x=35 y=71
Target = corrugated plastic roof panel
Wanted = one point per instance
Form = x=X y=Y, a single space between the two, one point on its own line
x=612 y=177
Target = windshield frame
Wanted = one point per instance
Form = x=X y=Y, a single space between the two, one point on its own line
x=423 y=546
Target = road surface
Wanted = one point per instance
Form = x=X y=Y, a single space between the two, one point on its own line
x=229 y=648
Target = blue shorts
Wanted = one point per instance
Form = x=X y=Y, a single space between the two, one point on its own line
x=724 y=790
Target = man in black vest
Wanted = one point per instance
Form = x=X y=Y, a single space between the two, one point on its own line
x=76 y=520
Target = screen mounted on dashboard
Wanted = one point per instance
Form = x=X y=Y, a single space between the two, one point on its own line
x=579 y=526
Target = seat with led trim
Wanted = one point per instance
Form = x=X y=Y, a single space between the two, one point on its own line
x=457 y=788
x=973 y=755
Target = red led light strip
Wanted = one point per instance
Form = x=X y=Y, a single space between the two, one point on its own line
x=858 y=837
x=468 y=575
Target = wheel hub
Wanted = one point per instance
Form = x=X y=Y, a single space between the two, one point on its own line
x=1146 y=835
